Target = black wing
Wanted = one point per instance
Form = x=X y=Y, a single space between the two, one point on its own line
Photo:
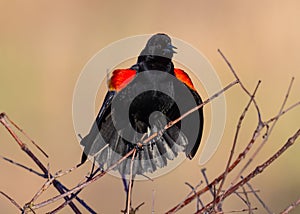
x=192 y=147
x=88 y=140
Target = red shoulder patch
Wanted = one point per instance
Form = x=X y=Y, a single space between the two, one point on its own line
x=183 y=77
x=120 y=78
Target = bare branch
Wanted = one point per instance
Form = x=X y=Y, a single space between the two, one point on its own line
x=49 y=182
x=259 y=199
x=83 y=185
x=170 y=124
x=259 y=169
x=240 y=83
x=12 y=201
x=23 y=166
x=27 y=136
x=269 y=131
x=130 y=183
x=199 y=202
x=291 y=207
x=236 y=137
x=23 y=146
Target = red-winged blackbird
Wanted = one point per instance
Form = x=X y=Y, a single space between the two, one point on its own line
x=141 y=100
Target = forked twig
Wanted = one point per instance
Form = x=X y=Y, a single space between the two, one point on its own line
x=259 y=169
x=47 y=184
x=240 y=82
x=23 y=146
x=27 y=136
x=239 y=125
x=269 y=131
x=82 y=185
x=242 y=155
x=194 y=189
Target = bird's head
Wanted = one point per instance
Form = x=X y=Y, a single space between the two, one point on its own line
x=159 y=45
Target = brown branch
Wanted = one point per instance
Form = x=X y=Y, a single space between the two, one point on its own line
x=240 y=82
x=240 y=157
x=243 y=210
x=259 y=199
x=130 y=183
x=47 y=184
x=221 y=176
x=199 y=202
x=170 y=124
x=23 y=166
x=259 y=169
x=12 y=201
x=291 y=207
x=83 y=185
x=239 y=125
x=248 y=203
x=27 y=136
x=269 y=131
x=24 y=147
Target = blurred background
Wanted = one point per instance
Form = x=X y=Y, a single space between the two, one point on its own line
x=45 y=45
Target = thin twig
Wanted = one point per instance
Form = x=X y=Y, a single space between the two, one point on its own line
x=239 y=195
x=243 y=210
x=206 y=180
x=27 y=136
x=23 y=166
x=153 y=202
x=12 y=201
x=283 y=112
x=83 y=185
x=247 y=200
x=259 y=199
x=236 y=136
x=130 y=182
x=291 y=207
x=269 y=131
x=259 y=169
x=47 y=184
x=23 y=146
x=240 y=82
x=199 y=202
x=220 y=177
x=172 y=123
x=65 y=203
x=191 y=193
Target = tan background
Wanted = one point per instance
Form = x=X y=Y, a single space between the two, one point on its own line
x=44 y=46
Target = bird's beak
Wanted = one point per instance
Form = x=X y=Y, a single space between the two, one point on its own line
x=170 y=49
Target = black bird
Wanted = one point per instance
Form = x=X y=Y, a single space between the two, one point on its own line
x=140 y=101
